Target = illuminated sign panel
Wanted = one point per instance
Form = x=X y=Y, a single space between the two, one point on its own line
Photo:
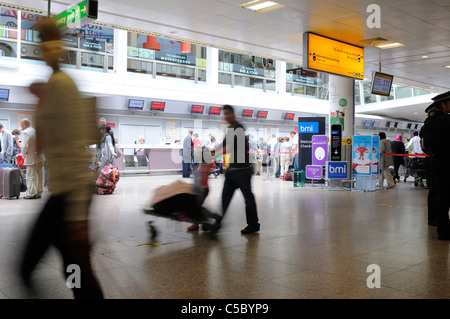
x=328 y=55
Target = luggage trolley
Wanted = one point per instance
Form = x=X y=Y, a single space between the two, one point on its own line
x=418 y=170
x=178 y=201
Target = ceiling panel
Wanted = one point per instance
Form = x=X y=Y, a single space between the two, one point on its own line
x=422 y=25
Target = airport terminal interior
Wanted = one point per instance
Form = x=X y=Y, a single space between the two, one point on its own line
x=156 y=70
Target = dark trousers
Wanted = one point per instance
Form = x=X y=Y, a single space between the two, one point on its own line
x=186 y=169
x=432 y=192
x=51 y=229
x=440 y=177
x=397 y=163
x=240 y=179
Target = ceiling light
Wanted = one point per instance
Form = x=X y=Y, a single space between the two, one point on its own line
x=390 y=45
x=424 y=56
x=415 y=113
x=447 y=66
x=260 y=5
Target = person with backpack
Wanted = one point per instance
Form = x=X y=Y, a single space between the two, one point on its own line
x=437 y=144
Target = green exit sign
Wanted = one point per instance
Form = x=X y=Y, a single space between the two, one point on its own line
x=84 y=11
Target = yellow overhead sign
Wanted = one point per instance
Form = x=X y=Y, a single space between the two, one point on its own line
x=332 y=56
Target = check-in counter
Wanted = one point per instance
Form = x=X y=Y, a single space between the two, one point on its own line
x=150 y=158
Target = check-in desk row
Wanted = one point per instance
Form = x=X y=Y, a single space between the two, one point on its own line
x=147 y=158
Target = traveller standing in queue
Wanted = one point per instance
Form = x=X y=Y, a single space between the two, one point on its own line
x=188 y=149
x=432 y=191
x=239 y=172
x=437 y=143
x=6 y=151
x=398 y=147
x=387 y=161
x=63 y=221
x=33 y=161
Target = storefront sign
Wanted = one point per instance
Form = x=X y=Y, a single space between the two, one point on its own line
x=175 y=58
x=92 y=45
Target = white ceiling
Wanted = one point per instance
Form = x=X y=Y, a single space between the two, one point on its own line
x=423 y=26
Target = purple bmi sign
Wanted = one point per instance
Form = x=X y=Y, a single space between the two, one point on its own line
x=319 y=150
x=313 y=171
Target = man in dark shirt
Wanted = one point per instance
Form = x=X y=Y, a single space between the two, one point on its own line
x=439 y=148
x=239 y=172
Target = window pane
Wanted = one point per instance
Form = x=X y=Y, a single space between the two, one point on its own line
x=368 y=96
x=289 y=88
x=69 y=60
x=92 y=62
x=248 y=82
x=418 y=92
x=357 y=93
x=8 y=50
x=224 y=78
x=202 y=75
x=402 y=92
x=137 y=66
x=270 y=86
x=174 y=71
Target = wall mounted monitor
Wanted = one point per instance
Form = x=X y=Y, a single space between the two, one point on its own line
x=215 y=110
x=197 y=109
x=392 y=124
x=157 y=106
x=381 y=83
x=376 y=123
x=289 y=116
x=135 y=104
x=247 y=113
x=262 y=114
x=4 y=95
x=416 y=126
x=399 y=125
x=367 y=122
x=408 y=126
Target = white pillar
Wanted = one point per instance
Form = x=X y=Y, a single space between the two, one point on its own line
x=212 y=66
x=342 y=103
x=120 y=51
x=280 y=67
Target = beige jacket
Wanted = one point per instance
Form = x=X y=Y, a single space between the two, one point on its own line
x=63 y=128
x=28 y=148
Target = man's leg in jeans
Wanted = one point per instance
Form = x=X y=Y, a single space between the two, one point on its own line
x=229 y=187
x=77 y=252
x=42 y=236
x=245 y=185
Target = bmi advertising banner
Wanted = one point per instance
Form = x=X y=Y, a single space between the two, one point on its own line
x=375 y=155
x=362 y=154
x=307 y=128
x=319 y=150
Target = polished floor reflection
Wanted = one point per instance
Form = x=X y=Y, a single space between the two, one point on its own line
x=313 y=243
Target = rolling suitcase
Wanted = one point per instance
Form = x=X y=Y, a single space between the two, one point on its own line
x=11 y=179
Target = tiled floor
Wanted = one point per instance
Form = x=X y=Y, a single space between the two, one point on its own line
x=313 y=243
